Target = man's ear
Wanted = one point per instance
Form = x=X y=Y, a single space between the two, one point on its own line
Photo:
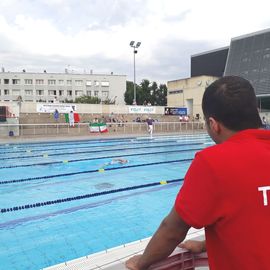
x=214 y=125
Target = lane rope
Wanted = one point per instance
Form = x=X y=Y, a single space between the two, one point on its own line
x=86 y=196
x=52 y=143
x=103 y=150
x=96 y=158
x=23 y=150
x=90 y=171
x=104 y=140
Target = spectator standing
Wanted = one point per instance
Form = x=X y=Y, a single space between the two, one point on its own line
x=56 y=115
x=95 y=120
x=186 y=118
x=150 y=122
x=71 y=119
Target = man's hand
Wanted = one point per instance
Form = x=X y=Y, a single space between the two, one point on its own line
x=132 y=263
x=193 y=246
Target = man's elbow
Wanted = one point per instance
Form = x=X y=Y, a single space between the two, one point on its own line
x=174 y=231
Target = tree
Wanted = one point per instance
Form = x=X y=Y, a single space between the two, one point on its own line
x=161 y=95
x=129 y=94
x=85 y=99
x=153 y=93
x=108 y=101
x=146 y=92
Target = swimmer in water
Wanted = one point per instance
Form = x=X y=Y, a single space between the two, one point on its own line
x=115 y=161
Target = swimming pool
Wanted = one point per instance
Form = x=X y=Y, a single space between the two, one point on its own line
x=57 y=203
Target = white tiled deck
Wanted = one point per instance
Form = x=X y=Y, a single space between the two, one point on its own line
x=114 y=259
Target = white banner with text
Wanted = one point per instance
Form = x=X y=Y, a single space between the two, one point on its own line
x=141 y=109
x=51 y=107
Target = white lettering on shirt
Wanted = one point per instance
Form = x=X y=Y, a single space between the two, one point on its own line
x=264 y=191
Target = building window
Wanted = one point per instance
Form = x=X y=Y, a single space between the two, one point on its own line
x=105 y=84
x=51 y=82
x=6 y=81
x=52 y=92
x=6 y=92
x=88 y=83
x=88 y=93
x=16 y=92
x=96 y=93
x=69 y=93
x=105 y=94
x=16 y=81
x=28 y=92
x=78 y=82
x=39 y=82
x=172 y=92
x=96 y=83
x=40 y=92
x=61 y=92
x=69 y=82
x=41 y=100
x=78 y=93
x=28 y=81
x=61 y=82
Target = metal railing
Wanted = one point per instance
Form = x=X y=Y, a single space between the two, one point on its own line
x=83 y=128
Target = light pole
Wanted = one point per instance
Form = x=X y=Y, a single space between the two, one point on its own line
x=135 y=47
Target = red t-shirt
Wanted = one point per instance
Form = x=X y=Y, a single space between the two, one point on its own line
x=227 y=191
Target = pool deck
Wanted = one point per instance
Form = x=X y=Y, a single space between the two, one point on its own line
x=115 y=258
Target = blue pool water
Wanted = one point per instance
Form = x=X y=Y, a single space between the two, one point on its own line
x=46 y=217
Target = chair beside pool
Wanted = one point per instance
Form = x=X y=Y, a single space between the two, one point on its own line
x=114 y=258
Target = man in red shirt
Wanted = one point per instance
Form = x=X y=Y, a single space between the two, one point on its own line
x=226 y=189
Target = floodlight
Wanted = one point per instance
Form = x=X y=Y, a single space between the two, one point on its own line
x=132 y=44
x=138 y=44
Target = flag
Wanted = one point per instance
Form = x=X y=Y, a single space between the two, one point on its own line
x=76 y=118
x=103 y=128
x=98 y=127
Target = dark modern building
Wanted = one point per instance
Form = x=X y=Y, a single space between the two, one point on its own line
x=249 y=57
x=211 y=63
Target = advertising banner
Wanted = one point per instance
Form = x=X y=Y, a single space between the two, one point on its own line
x=175 y=111
x=141 y=109
x=51 y=107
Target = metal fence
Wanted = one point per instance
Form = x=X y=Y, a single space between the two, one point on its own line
x=83 y=128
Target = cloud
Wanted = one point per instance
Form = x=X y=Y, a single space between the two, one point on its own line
x=172 y=60
x=51 y=34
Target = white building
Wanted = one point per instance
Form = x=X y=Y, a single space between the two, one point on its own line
x=47 y=87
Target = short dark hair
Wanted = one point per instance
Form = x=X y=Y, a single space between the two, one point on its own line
x=232 y=101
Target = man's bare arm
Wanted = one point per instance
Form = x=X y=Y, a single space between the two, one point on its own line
x=170 y=233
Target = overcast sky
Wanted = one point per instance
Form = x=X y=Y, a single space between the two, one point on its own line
x=84 y=35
